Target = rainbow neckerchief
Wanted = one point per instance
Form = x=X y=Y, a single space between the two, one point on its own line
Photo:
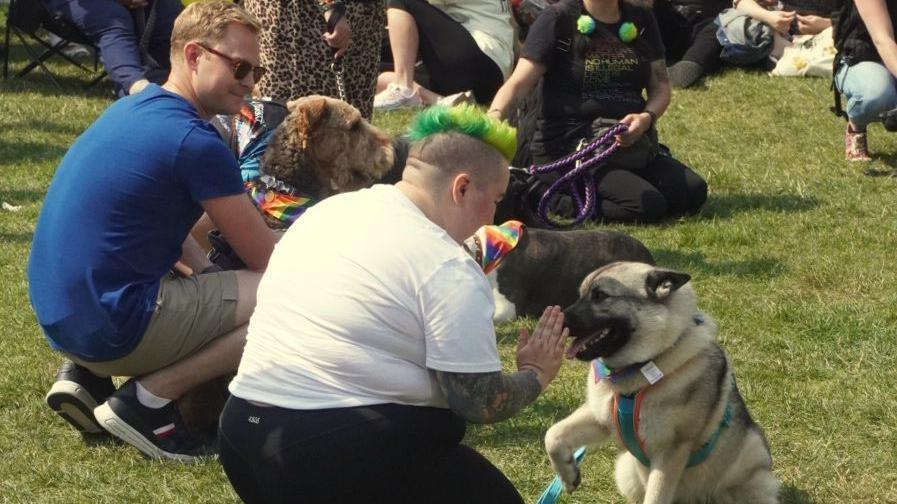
x=490 y=244
x=277 y=200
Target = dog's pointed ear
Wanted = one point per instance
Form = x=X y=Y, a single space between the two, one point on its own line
x=313 y=108
x=660 y=283
x=316 y=109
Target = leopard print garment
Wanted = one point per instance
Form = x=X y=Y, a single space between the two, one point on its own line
x=298 y=61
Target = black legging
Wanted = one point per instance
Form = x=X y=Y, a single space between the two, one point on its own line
x=665 y=188
x=386 y=453
x=454 y=61
x=688 y=41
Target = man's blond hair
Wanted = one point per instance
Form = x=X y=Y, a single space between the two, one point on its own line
x=206 y=21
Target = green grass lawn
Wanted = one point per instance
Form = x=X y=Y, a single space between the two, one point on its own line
x=793 y=255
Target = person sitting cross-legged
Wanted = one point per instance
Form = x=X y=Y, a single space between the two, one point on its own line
x=117 y=218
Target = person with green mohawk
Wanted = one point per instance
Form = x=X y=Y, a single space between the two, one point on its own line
x=372 y=342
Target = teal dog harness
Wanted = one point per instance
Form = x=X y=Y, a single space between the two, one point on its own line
x=627 y=410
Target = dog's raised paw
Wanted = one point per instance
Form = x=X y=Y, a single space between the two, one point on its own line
x=570 y=486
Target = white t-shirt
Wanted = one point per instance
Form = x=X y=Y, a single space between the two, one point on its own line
x=363 y=297
x=489 y=23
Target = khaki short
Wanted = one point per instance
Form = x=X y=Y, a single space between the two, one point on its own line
x=190 y=312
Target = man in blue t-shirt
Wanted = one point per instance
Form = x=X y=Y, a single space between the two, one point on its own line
x=116 y=221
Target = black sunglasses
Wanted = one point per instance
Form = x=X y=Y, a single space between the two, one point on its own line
x=241 y=67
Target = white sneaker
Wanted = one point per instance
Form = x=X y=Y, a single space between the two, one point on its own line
x=456 y=99
x=396 y=97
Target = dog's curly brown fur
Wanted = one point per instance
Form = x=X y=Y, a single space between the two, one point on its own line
x=325 y=147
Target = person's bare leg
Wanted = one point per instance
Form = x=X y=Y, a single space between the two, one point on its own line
x=428 y=97
x=200 y=231
x=193 y=255
x=219 y=357
x=403 y=40
x=384 y=80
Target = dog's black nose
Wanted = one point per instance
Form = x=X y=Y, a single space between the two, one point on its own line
x=572 y=319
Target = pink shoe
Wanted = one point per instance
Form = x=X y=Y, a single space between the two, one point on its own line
x=855 y=146
x=396 y=97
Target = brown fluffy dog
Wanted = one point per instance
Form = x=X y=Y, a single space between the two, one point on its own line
x=324 y=147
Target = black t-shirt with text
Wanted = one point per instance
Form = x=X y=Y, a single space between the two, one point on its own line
x=587 y=77
x=607 y=77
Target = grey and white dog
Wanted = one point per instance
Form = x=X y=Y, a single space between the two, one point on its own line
x=662 y=389
x=547 y=267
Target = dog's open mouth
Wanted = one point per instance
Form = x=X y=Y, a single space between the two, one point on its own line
x=588 y=344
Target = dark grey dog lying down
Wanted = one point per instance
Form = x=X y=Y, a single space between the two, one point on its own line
x=547 y=267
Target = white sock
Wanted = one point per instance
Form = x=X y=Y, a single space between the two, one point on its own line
x=150 y=400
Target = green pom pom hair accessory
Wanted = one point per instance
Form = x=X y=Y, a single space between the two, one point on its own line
x=585 y=24
x=468 y=120
x=628 y=32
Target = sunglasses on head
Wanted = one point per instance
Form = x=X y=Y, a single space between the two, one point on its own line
x=241 y=67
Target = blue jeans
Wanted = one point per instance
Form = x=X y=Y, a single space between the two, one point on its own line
x=112 y=28
x=869 y=89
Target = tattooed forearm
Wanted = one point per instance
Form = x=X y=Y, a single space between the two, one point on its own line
x=488 y=397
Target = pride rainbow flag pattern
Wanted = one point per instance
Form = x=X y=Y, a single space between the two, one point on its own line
x=286 y=208
x=490 y=244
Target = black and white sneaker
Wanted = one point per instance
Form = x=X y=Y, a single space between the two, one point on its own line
x=158 y=433
x=75 y=393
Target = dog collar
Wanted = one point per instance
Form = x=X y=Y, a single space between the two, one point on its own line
x=277 y=199
x=491 y=244
x=603 y=372
x=648 y=369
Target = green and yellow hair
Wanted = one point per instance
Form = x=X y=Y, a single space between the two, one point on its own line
x=468 y=120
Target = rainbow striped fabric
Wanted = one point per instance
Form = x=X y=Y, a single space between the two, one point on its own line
x=274 y=203
x=490 y=244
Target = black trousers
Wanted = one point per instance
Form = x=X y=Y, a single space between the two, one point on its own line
x=665 y=188
x=452 y=57
x=688 y=40
x=385 y=453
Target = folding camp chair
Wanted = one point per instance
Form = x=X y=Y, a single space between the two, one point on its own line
x=28 y=20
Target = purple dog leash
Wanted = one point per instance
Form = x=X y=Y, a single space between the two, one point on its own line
x=579 y=178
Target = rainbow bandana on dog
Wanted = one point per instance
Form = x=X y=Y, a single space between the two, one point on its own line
x=490 y=244
x=277 y=200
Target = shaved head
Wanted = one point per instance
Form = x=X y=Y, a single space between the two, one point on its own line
x=437 y=158
x=457 y=167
